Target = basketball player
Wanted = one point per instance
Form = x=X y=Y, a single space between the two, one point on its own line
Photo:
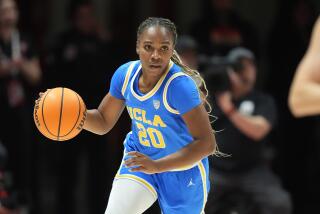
x=165 y=154
x=304 y=96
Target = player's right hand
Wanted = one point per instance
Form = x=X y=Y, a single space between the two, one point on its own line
x=139 y=162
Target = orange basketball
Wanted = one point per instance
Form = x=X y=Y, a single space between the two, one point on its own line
x=59 y=114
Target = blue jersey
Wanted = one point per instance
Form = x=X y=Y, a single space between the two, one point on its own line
x=159 y=130
x=157 y=126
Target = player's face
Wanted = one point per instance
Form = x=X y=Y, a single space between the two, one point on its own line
x=8 y=13
x=155 y=48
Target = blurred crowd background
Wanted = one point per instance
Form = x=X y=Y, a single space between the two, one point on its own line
x=78 y=44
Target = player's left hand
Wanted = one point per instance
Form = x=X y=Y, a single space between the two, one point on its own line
x=141 y=163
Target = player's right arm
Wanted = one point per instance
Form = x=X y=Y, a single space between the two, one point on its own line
x=304 y=96
x=101 y=120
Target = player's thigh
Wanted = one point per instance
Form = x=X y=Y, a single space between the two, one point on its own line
x=130 y=197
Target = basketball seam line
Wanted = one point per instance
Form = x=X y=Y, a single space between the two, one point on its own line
x=43 y=118
x=61 y=108
x=77 y=118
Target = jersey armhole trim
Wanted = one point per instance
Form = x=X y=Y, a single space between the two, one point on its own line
x=165 y=101
x=126 y=80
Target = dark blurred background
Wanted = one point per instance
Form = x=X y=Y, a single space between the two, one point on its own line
x=79 y=45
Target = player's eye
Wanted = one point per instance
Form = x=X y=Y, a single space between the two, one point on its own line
x=164 y=48
x=147 y=47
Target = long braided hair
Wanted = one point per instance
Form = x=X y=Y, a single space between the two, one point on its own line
x=194 y=74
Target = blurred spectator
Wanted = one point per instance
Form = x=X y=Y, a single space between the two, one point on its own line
x=8 y=200
x=288 y=41
x=19 y=75
x=81 y=50
x=83 y=60
x=220 y=29
x=244 y=182
x=187 y=49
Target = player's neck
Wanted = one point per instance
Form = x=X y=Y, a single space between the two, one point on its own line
x=147 y=82
x=148 y=79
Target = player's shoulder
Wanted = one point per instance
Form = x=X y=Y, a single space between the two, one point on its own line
x=179 y=84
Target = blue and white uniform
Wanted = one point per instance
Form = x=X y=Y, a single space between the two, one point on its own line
x=158 y=130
